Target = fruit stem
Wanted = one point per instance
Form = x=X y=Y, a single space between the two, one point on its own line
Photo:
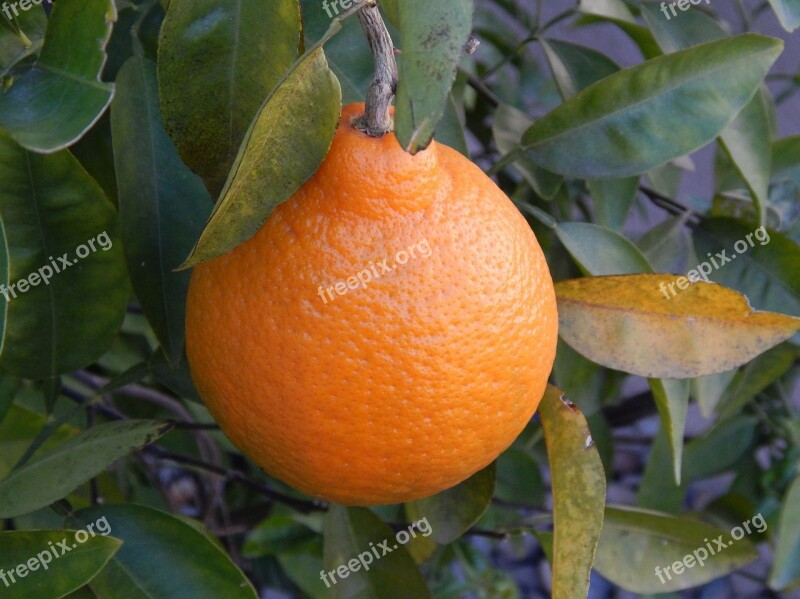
x=377 y=121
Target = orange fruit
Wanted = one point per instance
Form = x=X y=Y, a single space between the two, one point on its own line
x=387 y=333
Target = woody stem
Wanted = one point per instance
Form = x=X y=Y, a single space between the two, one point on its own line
x=376 y=120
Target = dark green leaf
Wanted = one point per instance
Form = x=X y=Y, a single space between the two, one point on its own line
x=756 y=376
x=613 y=200
x=617 y=12
x=576 y=67
x=747 y=140
x=658 y=490
x=32 y=24
x=721 y=448
x=18 y=429
x=284 y=146
x=357 y=564
x=454 y=511
x=451 y=131
x=61 y=92
x=73 y=463
x=30 y=553
x=52 y=209
x=507 y=128
x=662 y=109
x=519 y=479
x=579 y=491
x=9 y=385
x=600 y=251
x=666 y=246
x=766 y=270
x=347 y=53
x=432 y=38
x=672 y=401
x=214 y=74
x=786 y=568
x=163 y=557
x=688 y=28
x=162 y=204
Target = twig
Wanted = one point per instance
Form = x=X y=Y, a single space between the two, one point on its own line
x=237 y=476
x=483 y=91
x=377 y=120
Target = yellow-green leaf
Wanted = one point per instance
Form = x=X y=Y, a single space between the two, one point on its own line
x=285 y=145
x=579 y=492
x=635 y=324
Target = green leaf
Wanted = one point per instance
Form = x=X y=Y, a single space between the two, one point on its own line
x=18 y=429
x=519 y=479
x=163 y=557
x=365 y=560
x=788 y=12
x=617 y=12
x=59 y=227
x=767 y=271
x=9 y=385
x=73 y=463
x=451 y=131
x=162 y=204
x=576 y=67
x=579 y=491
x=747 y=141
x=666 y=245
x=689 y=28
x=453 y=512
x=756 y=376
x=721 y=448
x=348 y=53
x=214 y=74
x=507 y=128
x=662 y=109
x=601 y=251
x=278 y=534
x=61 y=92
x=613 y=200
x=12 y=49
x=786 y=158
x=786 y=567
x=432 y=38
x=637 y=544
x=285 y=145
x=656 y=490
x=672 y=401
x=30 y=553
x=709 y=389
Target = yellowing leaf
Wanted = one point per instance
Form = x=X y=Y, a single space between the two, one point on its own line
x=286 y=143
x=633 y=323
x=579 y=492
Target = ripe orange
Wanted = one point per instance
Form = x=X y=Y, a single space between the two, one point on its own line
x=388 y=389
